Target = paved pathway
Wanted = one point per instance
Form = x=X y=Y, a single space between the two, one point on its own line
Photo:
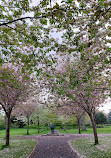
x=55 y=146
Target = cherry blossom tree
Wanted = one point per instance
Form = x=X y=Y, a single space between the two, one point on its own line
x=37 y=114
x=14 y=87
x=68 y=107
x=26 y=109
x=82 y=84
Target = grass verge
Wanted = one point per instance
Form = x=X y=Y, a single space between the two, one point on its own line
x=19 y=148
x=87 y=149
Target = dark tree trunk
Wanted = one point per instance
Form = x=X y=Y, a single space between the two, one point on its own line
x=5 y=122
x=83 y=123
x=38 y=124
x=94 y=128
x=79 y=125
x=27 y=125
x=47 y=126
x=7 y=129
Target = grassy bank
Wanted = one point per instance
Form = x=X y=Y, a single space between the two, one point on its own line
x=18 y=148
x=86 y=147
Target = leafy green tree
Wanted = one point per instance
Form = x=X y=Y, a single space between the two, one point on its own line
x=39 y=116
x=109 y=116
x=100 y=118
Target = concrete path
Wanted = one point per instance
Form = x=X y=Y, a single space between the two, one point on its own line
x=56 y=146
x=53 y=147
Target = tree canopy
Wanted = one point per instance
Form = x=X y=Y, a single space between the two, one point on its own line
x=90 y=18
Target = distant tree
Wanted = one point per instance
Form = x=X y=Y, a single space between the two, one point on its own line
x=83 y=123
x=26 y=109
x=109 y=116
x=38 y=116
x=44 y=115
x=100 y=118
x=2 y=121
x=69 y=108
x=21 y=123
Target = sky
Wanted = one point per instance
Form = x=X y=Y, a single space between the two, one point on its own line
x=106 y=106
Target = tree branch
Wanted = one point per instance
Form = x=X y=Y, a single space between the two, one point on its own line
x=23 y=18
x=13 y=28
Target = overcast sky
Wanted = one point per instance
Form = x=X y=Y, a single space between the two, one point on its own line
x=106 y=106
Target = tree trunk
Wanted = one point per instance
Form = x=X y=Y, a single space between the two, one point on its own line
x=94 y=128
x=78 y=120
x=5 y=121
x=27 y=125
x=65 y=126
x=83 y=123
x=7 y=129
x=38 y=124
x=47 y=126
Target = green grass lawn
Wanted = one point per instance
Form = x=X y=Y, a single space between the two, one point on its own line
x=104 y=130
x=18 y=148
x=21 y=132
x=86 y=147
x=22 y=148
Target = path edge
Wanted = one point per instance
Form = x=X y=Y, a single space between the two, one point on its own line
x=32 y=150
x=69 y=143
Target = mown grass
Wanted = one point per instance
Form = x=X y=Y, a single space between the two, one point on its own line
x=18 y=148
x=33 y=131
x=104 y=130
x=87 y=149
x=21 y=132
x=21 y=148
